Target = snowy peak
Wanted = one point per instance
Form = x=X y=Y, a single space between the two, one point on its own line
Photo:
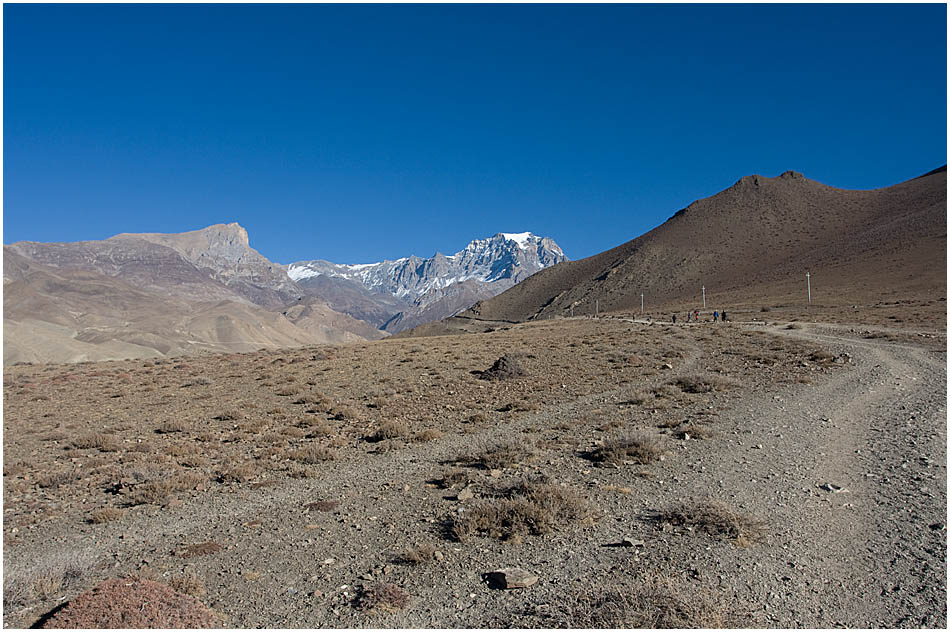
x=503 y=259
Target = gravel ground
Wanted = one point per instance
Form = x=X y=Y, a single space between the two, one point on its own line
x=845 y=468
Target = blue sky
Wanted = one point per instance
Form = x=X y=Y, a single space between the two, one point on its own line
x=356 y=133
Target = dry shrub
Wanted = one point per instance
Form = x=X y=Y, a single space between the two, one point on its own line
x=313 y=454
x=382 y=596
x=417 y=554
x=189 y=584
x=293 y=431
x=429 y=434
x=500 y=455
x=317 y=399
x=653 y=603
x=390 y=429
x=295 y=470
x=704 y=383
x=54 y=436
x=506 y=367
x=55 y=479
x=821 y=356
x=316 y=427
x=99 y=441
x=637 y=398
x=59 y=570
x=227 y=415
x=106 y=514
x=717 y=519
x=181 y=449
x=529 y=508
x=343 y=413
x=455 y=477
x=133 y=603
x=238 y=473
x=638 y=447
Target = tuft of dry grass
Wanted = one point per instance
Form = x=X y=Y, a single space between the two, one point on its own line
x=99 y=441
x=704 y=383
x=382 y=596
x=529 y=508
x=636 y=447
x=311 y=455
x=716 y=518
x=429 y=434
x=417 y=554
x=390 y=429
x=240 y=473
x=499 y=455
x=54 y=479
x=653 y=603
x=106 y=514
x=189 y=584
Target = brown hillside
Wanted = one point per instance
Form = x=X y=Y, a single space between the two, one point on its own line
x=755 y=241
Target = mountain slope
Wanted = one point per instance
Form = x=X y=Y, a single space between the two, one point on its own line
x=757 y=238
x=157 y=295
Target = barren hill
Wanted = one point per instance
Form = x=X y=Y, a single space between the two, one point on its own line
x=753 y=241
x=154 y=295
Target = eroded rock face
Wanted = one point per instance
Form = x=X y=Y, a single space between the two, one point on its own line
x=133 y=603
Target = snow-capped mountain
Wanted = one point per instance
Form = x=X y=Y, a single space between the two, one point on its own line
x=484 y=268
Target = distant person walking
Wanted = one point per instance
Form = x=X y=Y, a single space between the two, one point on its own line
x=688 y=315
x=716 y=316
x=723 y=315
x=674 y=319
x=696 y=313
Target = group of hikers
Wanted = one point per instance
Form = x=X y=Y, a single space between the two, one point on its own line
x=693 y=316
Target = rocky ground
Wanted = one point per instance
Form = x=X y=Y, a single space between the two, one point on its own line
x=753 y=474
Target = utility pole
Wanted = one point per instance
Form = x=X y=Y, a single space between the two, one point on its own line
x=597 y=308
x=704 y=297
x=641 y=303
x=572 y=310
x=808 y=280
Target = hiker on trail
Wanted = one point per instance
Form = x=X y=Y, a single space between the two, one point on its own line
x=716 y=316
x=688 y=316
x=674 y=319
x=723 y=315
x=697 y=314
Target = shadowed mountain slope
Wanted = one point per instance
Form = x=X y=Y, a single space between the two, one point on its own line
x=757 y=239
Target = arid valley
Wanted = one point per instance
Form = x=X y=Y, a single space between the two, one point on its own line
x=780 y=469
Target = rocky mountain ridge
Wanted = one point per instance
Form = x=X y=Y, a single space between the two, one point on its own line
x=424 y=289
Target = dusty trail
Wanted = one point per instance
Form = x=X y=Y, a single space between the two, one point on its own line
x=878 y=545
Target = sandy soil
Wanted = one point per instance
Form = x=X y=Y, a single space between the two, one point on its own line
x=802 y=481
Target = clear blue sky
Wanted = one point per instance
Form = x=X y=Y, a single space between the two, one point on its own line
x=357 y=133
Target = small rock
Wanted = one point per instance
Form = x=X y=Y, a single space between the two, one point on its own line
x=439 y=555
x=494 y=473
x=466 y=493
x=631 y=542
x=666 y=366
x=316 y=594
x=508 y=578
